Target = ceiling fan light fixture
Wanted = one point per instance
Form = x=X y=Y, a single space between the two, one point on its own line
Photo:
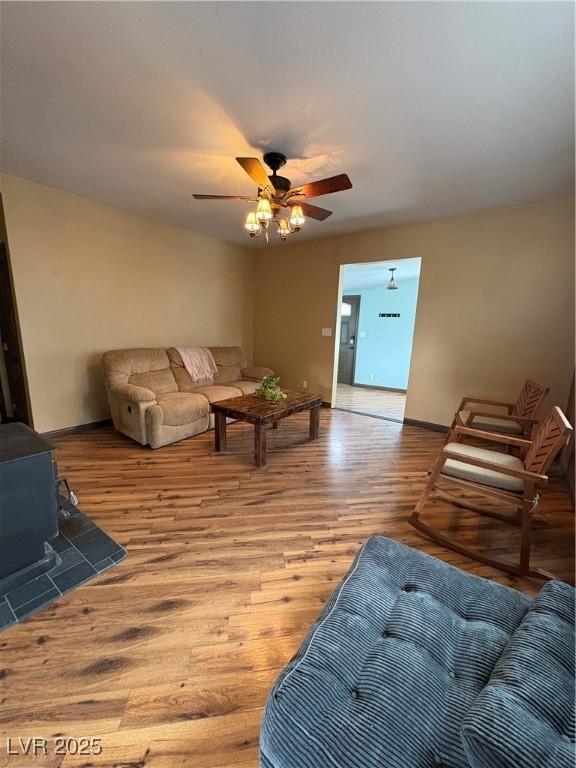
x=252 y=224
x=392 y=283
x=264 y=210
x=283 y=228
x=276 y=193
x=297 y=219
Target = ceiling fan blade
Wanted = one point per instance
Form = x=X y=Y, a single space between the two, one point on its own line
x=223 y=197
x=324 y=186
x=312 y=211
x=257 y=172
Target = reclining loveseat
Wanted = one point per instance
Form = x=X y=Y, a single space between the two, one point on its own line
x=154 y=401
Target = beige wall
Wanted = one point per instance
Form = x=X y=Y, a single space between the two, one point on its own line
x=496 y=300
x=496 y=304
x=90 y=277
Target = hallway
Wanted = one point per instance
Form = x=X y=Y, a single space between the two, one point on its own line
x=373 y=402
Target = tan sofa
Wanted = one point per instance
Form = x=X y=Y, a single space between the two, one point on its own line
x=155 y=402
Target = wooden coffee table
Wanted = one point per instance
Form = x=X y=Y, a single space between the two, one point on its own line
x=263 y=414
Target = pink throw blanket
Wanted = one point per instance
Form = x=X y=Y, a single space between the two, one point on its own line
x=199 y=362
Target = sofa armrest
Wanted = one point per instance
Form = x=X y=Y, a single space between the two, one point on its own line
x=256 y=372
x=133 y=393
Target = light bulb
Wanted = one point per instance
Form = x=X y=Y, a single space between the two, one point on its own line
x=263 y=211
x=283 y=228
x=297 y=219
x=252 y=224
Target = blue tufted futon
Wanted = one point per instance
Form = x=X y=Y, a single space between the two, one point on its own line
x=416 y=664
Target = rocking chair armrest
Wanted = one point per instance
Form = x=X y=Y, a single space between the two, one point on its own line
x=504 y=416
x=483 y=401
x=493 y=437
x=522 y=474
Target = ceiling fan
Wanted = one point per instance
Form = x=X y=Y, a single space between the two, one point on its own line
x=276 y=193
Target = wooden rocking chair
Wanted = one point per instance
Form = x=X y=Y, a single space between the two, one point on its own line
x=518 y=418
x=499 y=476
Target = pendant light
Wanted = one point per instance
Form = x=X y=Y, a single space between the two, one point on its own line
x=283 y=228
x=297 y=219
x=252 y=224
x=392 y=283
x=263 y=211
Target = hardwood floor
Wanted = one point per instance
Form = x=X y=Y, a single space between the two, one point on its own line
x=168 y=657
x=373 y=402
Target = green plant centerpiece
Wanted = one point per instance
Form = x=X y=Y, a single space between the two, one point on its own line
x=269 y=389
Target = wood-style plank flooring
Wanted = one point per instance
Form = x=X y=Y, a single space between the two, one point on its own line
x=168 y=657
x=373 y=402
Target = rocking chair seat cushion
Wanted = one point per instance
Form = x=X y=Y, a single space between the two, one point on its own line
x=481 y=475
x=492 y=424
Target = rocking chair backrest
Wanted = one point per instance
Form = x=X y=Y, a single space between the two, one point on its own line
x=530 y=399
x=548 y=441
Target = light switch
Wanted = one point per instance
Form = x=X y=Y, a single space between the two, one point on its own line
x=326 y=331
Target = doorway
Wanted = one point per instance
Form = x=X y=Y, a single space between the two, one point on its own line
x=14 y=404
x=376 y=316
x=349 y=314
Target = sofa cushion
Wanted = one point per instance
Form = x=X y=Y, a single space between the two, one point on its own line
x=120 y=365
x=524 y=717
x=247 y=387
x=160 y=382
x=183 y=379
x=230 y=362
x=384 y=678
x=146 y=367
x=480 y=475
x=214 y=393
x=137 y=360
x=492 y=424
x=256 y=372
x=179 y=408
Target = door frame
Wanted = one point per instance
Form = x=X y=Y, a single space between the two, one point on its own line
x=339 y=295
x=18 y=389
x=350 y=296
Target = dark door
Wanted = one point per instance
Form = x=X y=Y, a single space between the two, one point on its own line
x=349 y=310
x=13 y=390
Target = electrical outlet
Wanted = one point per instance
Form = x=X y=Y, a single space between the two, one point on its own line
x=305 y=384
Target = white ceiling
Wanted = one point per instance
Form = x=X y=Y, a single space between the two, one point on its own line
x=431 y=108
x=359 y=276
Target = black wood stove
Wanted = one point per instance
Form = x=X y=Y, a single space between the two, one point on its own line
x=29 y=505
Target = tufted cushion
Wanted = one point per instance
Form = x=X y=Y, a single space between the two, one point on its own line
x=492 y=424
x=480 y=475
x=525 y=715
x=179 y=408
x=384 y=678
